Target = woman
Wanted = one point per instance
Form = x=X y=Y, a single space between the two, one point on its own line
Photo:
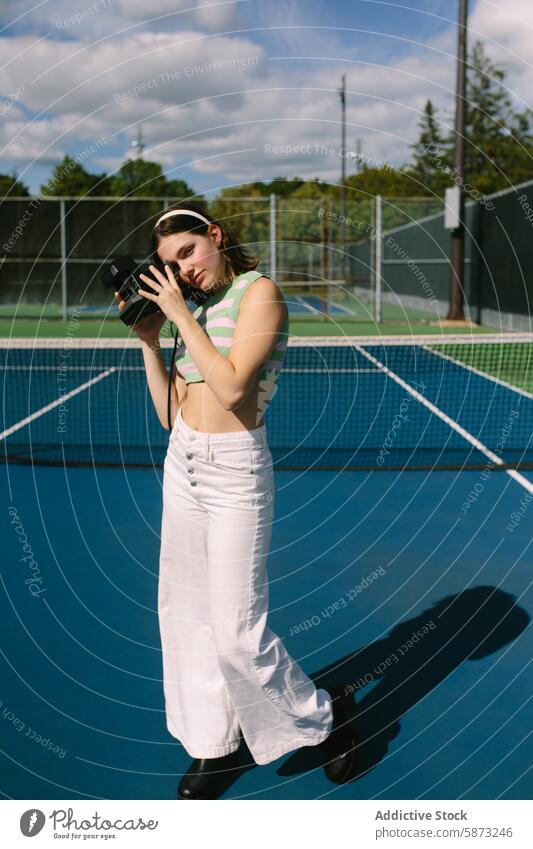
x=224 y=671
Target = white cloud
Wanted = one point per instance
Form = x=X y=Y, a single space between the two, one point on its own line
x=186 y=81
x=208 y=14
x=207 y=98
x=143 y=10
x=214 y=16
x=507 y=26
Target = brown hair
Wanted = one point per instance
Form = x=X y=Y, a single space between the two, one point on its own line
x=236 y=258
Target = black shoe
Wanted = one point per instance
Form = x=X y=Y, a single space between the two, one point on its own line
x=206 y=778
x=339 y=747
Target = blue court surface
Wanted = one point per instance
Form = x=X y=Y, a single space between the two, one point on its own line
x=383 y=582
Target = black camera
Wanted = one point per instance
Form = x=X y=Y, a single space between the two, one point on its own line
x=122 y=275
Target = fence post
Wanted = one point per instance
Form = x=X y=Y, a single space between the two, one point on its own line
x=273 y=236
x=325 y=239
x=62 y=230
x=378 y=260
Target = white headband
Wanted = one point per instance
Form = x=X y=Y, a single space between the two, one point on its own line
x=182 y=212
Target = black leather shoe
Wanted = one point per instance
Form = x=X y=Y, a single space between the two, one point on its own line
x=339 y=747
x=206 y=778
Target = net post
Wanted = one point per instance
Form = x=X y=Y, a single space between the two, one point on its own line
x=62 y=230
x=378 y=260
x=273 y=236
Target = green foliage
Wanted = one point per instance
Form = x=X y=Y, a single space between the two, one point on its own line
x=282 y=187
x=141 y=178
x=312 y=189
x=138 y=178
x=10 y=185
x=498 y=153
x=249 y=221
x=432 y=156
x=498 y=139
x=70 y=179
x=178 y=190
x=385 y=180
x=135 y=178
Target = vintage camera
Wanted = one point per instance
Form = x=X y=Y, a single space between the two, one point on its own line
x=122 y=274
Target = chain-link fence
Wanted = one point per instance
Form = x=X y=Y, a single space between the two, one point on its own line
x=380 y=258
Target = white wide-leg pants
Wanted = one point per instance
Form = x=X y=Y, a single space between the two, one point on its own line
x=223 y=668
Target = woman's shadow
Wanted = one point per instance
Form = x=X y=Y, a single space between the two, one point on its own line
x=413 y=659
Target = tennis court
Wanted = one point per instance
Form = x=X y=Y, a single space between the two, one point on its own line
x=399 y=565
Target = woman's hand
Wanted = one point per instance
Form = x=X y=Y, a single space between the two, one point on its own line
x=169 y=297
x=149 y=327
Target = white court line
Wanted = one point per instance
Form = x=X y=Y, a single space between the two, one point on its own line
x=342 y=309
x=68 y=368
x=307 y=305
x=450 y=422
x=494 y=379
x=324 y=371
x=48 y=407
x=45 y=343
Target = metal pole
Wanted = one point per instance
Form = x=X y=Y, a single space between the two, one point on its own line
x=342 y=92
x=325 y=239
x=62 y=230
x=456 y=311
x=273 y=236
x=358 y=149
x=378 y=262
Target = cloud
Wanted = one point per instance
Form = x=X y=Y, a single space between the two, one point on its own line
x=208 y=14
x=216 y=100
x=507 y=26
x=142 y=10
x=176 y=83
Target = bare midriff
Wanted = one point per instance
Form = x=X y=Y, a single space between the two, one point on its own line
x=201 y=410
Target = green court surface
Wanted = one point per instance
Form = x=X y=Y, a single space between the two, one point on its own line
x=114 y=328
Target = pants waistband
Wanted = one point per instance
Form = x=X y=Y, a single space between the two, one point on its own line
x=257 y=436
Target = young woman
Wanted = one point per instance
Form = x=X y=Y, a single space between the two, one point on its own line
x=225 y=673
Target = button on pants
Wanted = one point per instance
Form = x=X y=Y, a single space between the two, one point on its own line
x=224 y=670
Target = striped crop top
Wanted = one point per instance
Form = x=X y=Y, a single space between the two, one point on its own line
x=218 y=317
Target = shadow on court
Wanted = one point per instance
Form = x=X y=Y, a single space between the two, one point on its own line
x=468 y=626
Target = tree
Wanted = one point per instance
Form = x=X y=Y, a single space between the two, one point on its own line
x=315 y=188
x=385 y=180
x=70 y=179
x=10 y=185
x=282 y=187
x=498 y=139
x=178 y=190
x=142 y=178
x=431 y=152
x=138 y=178
x=498 y=147
x=247 y=219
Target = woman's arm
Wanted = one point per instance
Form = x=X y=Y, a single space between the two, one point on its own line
x=261 y=315
x=148 y=330
x=157 y=379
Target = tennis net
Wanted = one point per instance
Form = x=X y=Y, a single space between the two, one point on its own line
x=342 y=403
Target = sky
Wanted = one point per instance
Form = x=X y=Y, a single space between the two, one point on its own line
x=231 y=91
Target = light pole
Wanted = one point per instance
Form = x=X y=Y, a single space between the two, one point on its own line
x=342 y=93
x=456 y=311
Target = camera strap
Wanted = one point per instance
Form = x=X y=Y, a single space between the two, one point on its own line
x=173 y=357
